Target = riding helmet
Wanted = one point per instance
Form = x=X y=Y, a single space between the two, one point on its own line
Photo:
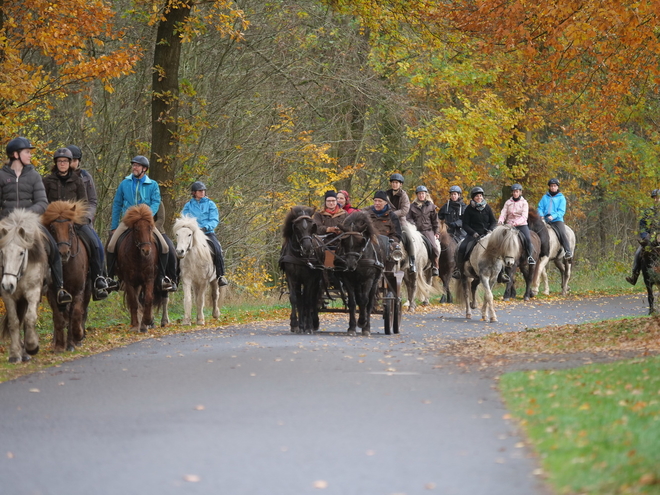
x=421 y=189
x=141 y=160
x=75 y=151
x=398 y=177
x=455 y=189
x=516 y=187
x=476 y=190
x=18 y=144
x=63 y=153
x=198 y=186
x=553 y=181
x=655 y=192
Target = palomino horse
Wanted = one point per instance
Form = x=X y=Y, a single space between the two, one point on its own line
x=298 y=260
x=137 y=269
x=650 y=267
x=197 y=268
x=60 y=218
x=490 y=254
x=363 y=258
x=527 y=271
x=24 y=264
x=418 y=284
x=555 y=253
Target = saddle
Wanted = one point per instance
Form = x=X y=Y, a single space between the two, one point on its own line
x=429 y=247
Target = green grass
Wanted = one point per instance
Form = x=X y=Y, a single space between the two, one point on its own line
x=596 y=428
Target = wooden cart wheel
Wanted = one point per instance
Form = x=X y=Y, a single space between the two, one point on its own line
x=396 y=314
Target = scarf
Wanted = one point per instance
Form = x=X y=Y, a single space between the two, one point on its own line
x=381 y=212
x=478 y=206
x=517 y=199
x=553 y=193
x=333 y=211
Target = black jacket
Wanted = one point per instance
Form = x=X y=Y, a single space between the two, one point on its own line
x=451 y=213
x=480 y=222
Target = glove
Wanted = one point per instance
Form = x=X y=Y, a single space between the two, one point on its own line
x=458 y=224
x=475 y=235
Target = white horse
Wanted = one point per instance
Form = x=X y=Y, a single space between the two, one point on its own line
x=556 y=254
x=418 y=284
x=490 y=254
x=24 y=266
x=197 y=268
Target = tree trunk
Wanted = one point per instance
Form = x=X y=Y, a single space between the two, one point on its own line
x=165 y=107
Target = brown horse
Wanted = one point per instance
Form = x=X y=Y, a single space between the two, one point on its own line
x=60 y=219
x=137 y=269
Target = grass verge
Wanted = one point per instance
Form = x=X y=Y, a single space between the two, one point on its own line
x=596 y=428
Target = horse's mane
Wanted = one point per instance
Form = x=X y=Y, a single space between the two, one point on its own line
x=295 y=212
x=503 y=240
x=21 y=227
x=534 y=220
x=359 y=221
x=69 y=210
x=136 y=213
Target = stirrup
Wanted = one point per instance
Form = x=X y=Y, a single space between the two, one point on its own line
x=435 y=272
x=568 y=255
x=99 y=294
x=112 y=284
x=456 y=274
x=168 y=285
x=222 y=281
x=63 y=297
x=100 y=283
x=531 y=261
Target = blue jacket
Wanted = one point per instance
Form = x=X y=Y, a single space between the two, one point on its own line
x=554 y=206
x=133 y=192
x=204 y=211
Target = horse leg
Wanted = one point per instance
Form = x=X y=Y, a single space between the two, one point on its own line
x=133 y=306
x=148 y=307
x=76 y=331
x=649 y=291
x=12 y=323
x=200 y=295
x=473 y=293
x=528 y=273
x=59 y=323
x=187 y=301
x=165 y=317
x=215 y=296
x=352 y=324
x=565 y=276
x=466 y=294
x=33 y=298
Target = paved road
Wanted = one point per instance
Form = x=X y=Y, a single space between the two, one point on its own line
x=256 y=410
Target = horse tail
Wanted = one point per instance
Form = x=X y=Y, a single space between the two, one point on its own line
x=456 y=289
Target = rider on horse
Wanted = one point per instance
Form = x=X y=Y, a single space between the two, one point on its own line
x=136 y=189
x=65 y=184
x=478 y=221
x=451 y=213
x=423 y=215
x=515 y=212
x=649 y=222
x=386 y=222
x=400 y=202
x=328 y=218
x=208 y=218
x=552 y=209
x=21 y=186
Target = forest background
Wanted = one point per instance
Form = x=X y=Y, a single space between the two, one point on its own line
x=271 y=103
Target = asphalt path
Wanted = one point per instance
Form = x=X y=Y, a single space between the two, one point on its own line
x=253 y=409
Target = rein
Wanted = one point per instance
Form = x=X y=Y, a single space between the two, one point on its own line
x=21 y=270
x=72 y=235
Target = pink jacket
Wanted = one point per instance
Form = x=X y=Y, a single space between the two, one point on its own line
x=514 y=212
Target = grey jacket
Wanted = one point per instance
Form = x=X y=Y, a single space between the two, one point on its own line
x=90 y=189
x=26 y=191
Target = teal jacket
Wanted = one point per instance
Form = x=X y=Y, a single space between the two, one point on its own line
x=554 y=206
x=133 y=192
x=204 y=211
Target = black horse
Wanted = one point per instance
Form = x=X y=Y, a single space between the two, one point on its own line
x=299 y=260
x=362 y=259
x=650 y=263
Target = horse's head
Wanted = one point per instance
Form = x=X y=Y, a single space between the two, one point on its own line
x=504 y=243
x=59 y=218
x=143 y=236
x=14 y=249
x=184 y=241
x=357 y=231
x=62 y=231
x=303 y=230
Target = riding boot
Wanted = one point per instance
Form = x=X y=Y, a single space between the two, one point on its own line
x=55 y=262
x=632 y=280
x=530 y=258
x=166 y=284
x=411 y=264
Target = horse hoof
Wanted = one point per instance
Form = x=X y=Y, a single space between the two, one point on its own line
x=188 y=322
x=14 y=360
x=493 y=319
x=468 y=317
x=71 y=348
x=506 y=299
x=366 y=333
x=484 y=319
x=26 y=358
x=351 y=333
x=32 y=352
x=144 y=329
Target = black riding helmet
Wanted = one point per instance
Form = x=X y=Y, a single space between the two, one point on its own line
x=141 y=160
x=63 y=153
x=18 y=144
x=655 y=193
x=197 y=186
x=476 y=190
x=75 y=151
x=553 y=181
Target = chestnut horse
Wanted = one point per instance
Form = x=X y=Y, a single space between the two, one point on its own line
x=24 y=266
x=137 y=269
x=60 y=218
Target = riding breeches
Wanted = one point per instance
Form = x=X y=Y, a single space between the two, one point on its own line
x=430 y=235
x=92 y=239
x=528 y=239
x=216 y=250
x=112 y=244
x=54 y=259
x=560 y=229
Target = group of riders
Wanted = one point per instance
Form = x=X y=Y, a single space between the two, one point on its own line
x=466 y=223
x=21 y=186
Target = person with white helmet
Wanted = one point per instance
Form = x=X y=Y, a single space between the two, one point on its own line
x=208 y=218
x=21 y=186
x=423 y=215
x=451 y=213
x=649 y=221
x=137 y=188
x=515 y=213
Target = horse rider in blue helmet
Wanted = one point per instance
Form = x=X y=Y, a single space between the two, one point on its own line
x=649 y=222
x=423 y=215
x=208 y=218
x=552 y=209
x=451 y=213
x=137 y=188
x=21 y=186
